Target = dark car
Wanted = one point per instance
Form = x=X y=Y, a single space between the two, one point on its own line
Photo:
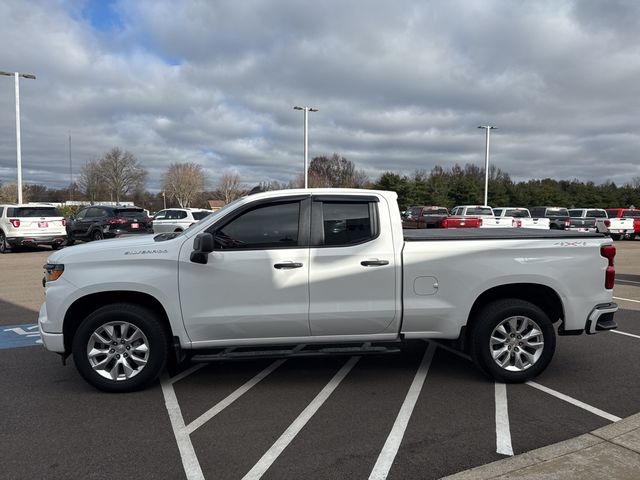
x=558 y=216
x=424 y=217
x=104 y=221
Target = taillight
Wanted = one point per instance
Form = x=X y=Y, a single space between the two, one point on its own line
x=609 y=252
x=516 y=223
x=607 y=223
x=15 y=222
x=567 y=223
x=479 y=222
x=445 y=223
x=116 y=220
x=64 y=222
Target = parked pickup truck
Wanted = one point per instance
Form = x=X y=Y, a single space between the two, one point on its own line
x=424 y=217
x=463 y=216
x=622 y=223
x=521 y=218
x=558 y=216
x=584 y=219
x=321 y=271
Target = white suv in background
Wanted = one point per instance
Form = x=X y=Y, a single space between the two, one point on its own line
x=177 y=219
x=31 y=224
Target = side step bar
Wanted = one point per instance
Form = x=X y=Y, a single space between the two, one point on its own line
x=244 y=353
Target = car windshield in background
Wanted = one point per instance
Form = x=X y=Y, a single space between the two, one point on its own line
x=631 y=213
x=517 y=213
x=557 y=212
x=596 y=213
x=129 y=212
x=200 y=215
x=33 y=212
x=480 y=211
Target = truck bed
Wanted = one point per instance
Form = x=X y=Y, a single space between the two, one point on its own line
x=492 y=234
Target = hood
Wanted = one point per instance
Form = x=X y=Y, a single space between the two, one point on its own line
x=125 y=246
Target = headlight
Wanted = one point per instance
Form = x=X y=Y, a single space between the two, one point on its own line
x=53 y=271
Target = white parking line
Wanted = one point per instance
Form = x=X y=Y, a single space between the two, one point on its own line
x=625 y=333
x=391 y=446
x=573 y=401
x=224 y=403
x=626 y=299
x=298 y=424
x=503 y=431
x=187 y=454
x=182 y=432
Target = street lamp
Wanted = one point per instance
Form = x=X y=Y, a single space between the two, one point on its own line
x=306 y=141
x=17 y=75
x=488 y=128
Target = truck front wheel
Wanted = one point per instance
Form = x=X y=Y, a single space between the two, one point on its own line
x=512 y=340
x=120 y=348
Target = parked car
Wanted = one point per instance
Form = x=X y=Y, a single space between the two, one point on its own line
x=584 y=219
x=521 y=218
x=424 y=217
x=623 y=223
x=31 y=224
x=302 y=254
x=558 y=216
x=177 y=219
x=105 y=221
x=477 y=216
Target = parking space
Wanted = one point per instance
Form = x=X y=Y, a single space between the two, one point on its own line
x=424 y=413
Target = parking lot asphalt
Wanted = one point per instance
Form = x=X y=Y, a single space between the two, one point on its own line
x=336 y=417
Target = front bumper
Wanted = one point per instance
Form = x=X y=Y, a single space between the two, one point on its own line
x=52 y=341
x=601 y=318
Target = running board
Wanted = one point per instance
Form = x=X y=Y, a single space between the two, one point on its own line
x=243 y=353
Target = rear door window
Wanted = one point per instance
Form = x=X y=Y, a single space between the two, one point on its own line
x=200 y=215
x=344 y=223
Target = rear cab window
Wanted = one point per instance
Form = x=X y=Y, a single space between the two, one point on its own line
x=338 y=223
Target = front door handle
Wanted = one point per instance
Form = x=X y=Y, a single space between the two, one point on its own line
x=287 y=265
x=374 y=263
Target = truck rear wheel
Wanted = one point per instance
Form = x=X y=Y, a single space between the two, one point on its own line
x=512 y=340
x=120 y=348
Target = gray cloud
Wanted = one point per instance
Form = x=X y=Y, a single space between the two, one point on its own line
x=400 y=86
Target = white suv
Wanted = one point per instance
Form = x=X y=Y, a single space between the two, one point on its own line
x=31 y=224
x=177 y=219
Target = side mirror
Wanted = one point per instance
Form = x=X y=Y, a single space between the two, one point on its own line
x=202 y=246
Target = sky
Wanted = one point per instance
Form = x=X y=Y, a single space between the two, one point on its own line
x=399 y=86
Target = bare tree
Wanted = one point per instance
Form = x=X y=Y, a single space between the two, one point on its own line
x=184 y=182
x=9 y=193
x=90 y=181
x=121 y=173
x=229 y=186
x=335 y=171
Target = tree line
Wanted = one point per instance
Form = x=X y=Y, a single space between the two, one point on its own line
x=119 y=176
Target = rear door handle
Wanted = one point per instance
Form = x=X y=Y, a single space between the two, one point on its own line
x=287 y=265
x=374 y=263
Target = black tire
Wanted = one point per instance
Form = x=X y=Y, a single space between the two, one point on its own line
x=615 y=236
x=56 y=246
x=97 y=235
x=70 y=241
x=4 y=245
x=520 y=313
x=177 y=230
x=114 y=316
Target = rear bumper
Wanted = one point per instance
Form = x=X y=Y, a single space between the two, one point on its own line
x=601 y=318
x=36 y=240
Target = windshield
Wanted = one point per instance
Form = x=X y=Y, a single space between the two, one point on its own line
x=129 y=212
x=480 y=211
x=33 y=212
x=631 y=213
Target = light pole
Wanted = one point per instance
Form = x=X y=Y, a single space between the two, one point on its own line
x=488 y=128
x=17 y=75
x=306 y=141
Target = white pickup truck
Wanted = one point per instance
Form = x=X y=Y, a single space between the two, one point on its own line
x=483 y=212
x=306 y=272
x=521 y=218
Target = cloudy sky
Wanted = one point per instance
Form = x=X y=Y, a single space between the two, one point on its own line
x=400 y=85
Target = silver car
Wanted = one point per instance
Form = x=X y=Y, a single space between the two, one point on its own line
x=177 y=219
